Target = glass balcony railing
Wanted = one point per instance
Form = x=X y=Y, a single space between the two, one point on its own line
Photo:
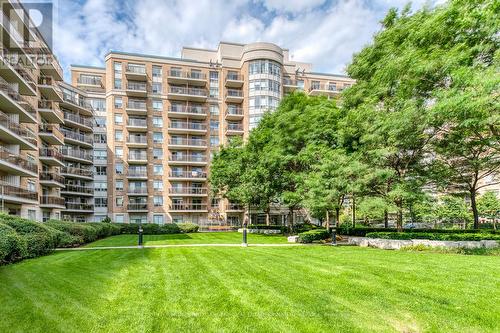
x=78 y=119
x=187 y=75
x=188 y=142
x=137 y=122
x=188 y=190
x=188 y=91
x=188 y=109
x=136 y=69
x=187 y=158
x=137 y=206
x=136 y=86
x=182 y=206
x=188 y=174
x=186 y=125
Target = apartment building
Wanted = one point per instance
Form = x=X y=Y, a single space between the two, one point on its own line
x=166 y=116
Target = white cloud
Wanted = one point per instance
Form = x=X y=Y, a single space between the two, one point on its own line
x=325 y=33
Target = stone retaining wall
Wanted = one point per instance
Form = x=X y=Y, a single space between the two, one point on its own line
x=261 y=231
x=396 y=244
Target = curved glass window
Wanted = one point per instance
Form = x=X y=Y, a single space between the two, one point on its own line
x=265 y=67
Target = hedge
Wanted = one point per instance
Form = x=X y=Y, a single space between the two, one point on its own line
x=361 y=232
x=313 y=235
x=434 y=236
x=267 y=227
x=188 y=227
x=149 y=228
x=12 y=246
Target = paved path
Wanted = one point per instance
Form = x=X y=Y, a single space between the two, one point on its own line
x=179 y=245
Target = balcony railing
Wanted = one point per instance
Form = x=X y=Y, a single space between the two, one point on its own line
x=137 y=156
x=48 y=152
x=26 y=75
x=50 y=129
x=52 y=200
x=188 y=174
x=78 y=136
x=137 y=206
x=138 y=190
x=78 y=119
x=23 y=102
x=234 y=206
x=89 y=81
x=134 y=104
x=50 y=105
x=18 y=160
x=188 y=91
x=77 y=171
x=187 y=75
x=188 y=142
x=137 y=173
x=234 y=77
x=137 y=139
x=52 y=177
x=188 y=207
x=234 y=93
x=79 y=206
x=325 y=87
x=19 y=129
x=235 y=111
x=186 y=125
x=137 y=122
x=18 y=192
x=234 y=127
x=289 y=82
x=81 y=154
x=136 y=69
x=77 y=100
x=137 y=86
x=187 y=190
x=78 y=189
x=188 y=109
x=187 y=158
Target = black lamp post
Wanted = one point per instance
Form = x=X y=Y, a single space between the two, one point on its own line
x=334 y=234
x=245 y=223
x=140 y=234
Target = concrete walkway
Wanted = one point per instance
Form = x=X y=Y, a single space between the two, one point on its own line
x=179 y=245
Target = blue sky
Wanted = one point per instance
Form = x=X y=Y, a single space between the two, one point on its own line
x=323 y=32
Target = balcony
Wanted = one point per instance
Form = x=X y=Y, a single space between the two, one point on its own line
x=234 y=113
x=79 y=207
x=51 y=201
x=183 y=77
x=188 y=94
x=79 y=139
x=49 y=110
x=232 y=207
x=51 y=179
x=137 y=157
x=79 y=190
x=49 y=89
x=324 y=89
x=234 y=96
x=137 y=141
x=186 y=208
x=16 y=165
x=137 y=207
x=137 y=191
x=198 y=144
x=77 y=104
x=51 y=156
x=77 y=155
x=95 y=83
x=13 y=72
x=138 y=125
x=51 y=66
x=50 y=134
x=136 y=72
x=187 y=127
x=12 y=102
x=14 y=133
x=188 y=175
x=234 y=80
x=78 y=121
x=234 y=129
x=191 y=111
x=187 y=159
x=136 y=107
x=70 y=172
x=136 y=89
x=137 y=174
x=290 y=85
x=17 y=195
x=188 y=191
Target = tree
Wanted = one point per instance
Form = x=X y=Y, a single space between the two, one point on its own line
x=453 y=209
x=488 y=205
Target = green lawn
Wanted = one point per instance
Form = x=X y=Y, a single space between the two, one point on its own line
x=196 y=238
x=213 y=289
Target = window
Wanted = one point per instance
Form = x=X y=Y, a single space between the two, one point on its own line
x=265 y=67
x=214 y=141
x=157 y=104
x=100 y=154
x=157 y=137
x=214 y=125
x=118 y=135
x=158 y=169
x=100 y=138
x=119 y=218
x=300 y=84
x=118 y=119
x=214 y=110
x=31 y=214
x=119 y=201
x=332 y=86
x=158 y=122
x=314 y=85
x=157 y=71
x=98 y=104
x=118 y=102
x=118 y=83
x=100 y=121
x=101 y=202
x=158 y=185
x=119 y=152
x=117 y=67
x=31 y=186
x=101 y=170
x=101 y=187
x=119 y=168
x=158 y=219
x=156 y=88
x=119 y=185
x=158 y=201
x=157 y=153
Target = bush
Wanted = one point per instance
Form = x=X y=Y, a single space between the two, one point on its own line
x=434 y=236
x=12 y=246
x=313 y=235
x=149 y=228
x=362 y=231
x=267 y=227
x=40 y=239
x=188 y=227
x=84 y=231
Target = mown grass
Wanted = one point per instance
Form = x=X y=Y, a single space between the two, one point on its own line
x=213 y=289
x=194 y=238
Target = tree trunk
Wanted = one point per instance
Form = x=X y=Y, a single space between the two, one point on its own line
x=290 y=219
x=353 y=211
x=327 y=221
x=473 y=205
x=268 y=216
x=386 y=219
x=337 y=217
x=399 y=217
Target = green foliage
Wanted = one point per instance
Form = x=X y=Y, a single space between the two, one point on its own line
x=313 y=235
x=362 y=231
x=12 y=246
x=150 y=228
x=188 y=227
x=488 y=205
x=453 y=209
x=434 y=236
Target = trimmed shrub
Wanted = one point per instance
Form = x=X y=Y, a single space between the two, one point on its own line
x=282 y=228
x=12 y=246
x=303 y=227
x=149 y=228
x=188 y=227
x=84 y=231
x=362 y=231
x=434 y=236
x=105 y=229
x=313 y=235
